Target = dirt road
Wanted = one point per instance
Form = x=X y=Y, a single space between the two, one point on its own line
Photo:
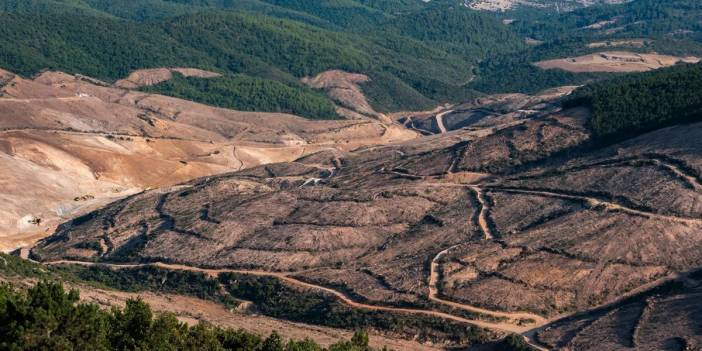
x=440 y=121
x=505 y=327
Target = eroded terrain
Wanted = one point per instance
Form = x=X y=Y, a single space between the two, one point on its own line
x=69 y=144
x=615 y=61
x=503 y=216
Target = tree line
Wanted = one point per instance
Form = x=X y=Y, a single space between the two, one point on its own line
x=47 y=317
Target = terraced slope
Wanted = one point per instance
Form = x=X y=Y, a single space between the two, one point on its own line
x=504 y=218
x=69 y=144
x=666 y=319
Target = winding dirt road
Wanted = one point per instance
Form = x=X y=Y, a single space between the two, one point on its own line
x=591 y=201
x=595 y=202
x=440 y=121
x=505 y=327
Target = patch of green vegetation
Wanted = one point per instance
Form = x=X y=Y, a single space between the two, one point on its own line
x=155 y=279
x=270 y=297
x=631 y=105
x=635 y=19
x=275 y=299
x=458 y=30
x=46 y=317
x=14 y=266
x=245 y=93
x=668 y=27
x=518 y=74
x=387 y=93
x=513 y=342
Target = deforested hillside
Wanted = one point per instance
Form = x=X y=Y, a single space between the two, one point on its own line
x=70 y=143
x=432 y=175
x=510 y=215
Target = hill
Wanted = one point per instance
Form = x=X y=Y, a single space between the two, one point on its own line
x=637 y=27
x=69 y=144
x=279 y=41
x=509 y=215
x=631 y=105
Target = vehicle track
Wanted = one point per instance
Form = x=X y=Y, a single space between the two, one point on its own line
x=483 y=216
x=285 y=277
x=440 y=121
x=595 y=202
x=591 y=201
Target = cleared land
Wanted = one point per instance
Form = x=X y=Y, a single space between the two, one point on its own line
x=70 y=144
x=146 y=77
x=614 y=61
x=501 y=217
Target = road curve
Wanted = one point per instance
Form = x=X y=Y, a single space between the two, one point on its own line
x=514 y=316
x=440 y=121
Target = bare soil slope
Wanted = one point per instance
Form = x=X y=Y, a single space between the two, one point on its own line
x=614 y=61
x=69 y=144
x=508 y=217
x=343 y=87
x=153 y=76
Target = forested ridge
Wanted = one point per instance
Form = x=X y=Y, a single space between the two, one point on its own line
x=245 y=93
x=419 y=54
x=634 y=104
x=279 y=41
x=671 y=27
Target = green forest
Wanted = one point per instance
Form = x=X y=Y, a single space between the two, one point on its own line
x=246 y=93
x=418 y=54
x=46 y=317
x=671 y=27
x=628 y=106
x=273 y=43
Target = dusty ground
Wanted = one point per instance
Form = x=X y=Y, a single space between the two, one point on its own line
x=146 y=77
x=503 y=217
x=501 y=212
x=615 y=61
x=375 y=214
x=344 y=88
x=665 y=320
x=69 y=144
x=505 y=5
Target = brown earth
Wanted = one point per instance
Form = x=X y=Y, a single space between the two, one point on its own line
x=615 y=61
x=69 y=144
x=483 y=114
x=666 y=319
x=383 y=211
x=503 y=210
x=344 y=88
x=153 y=76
